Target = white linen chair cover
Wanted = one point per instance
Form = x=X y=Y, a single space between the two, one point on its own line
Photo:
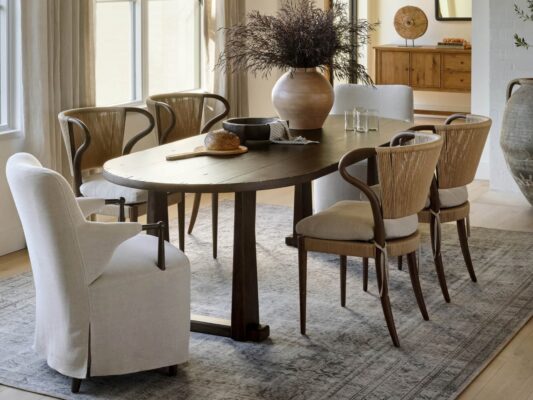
x=391 y=101
x=102 y=305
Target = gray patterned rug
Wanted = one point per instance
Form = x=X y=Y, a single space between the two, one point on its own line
x=347 y=353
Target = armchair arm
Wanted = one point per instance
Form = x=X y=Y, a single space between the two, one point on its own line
x=121 y=202
x=90 y=205
x=160 y=226
x=454 y=117
x=401 y=138
x=98 y=241
x=352 y=158
x=139 y=136
x=77 y=157
x=419 y=128
x=209 y=124
x=163 y=134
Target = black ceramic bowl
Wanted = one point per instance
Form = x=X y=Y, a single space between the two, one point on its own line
x=249 y=128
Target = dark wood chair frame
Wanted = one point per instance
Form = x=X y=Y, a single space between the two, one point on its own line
x=162 y=136
x=433 y=214
x=77 y=156
x=306 y=244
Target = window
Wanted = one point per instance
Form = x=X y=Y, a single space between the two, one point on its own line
x=6 y=66
x=145 y=47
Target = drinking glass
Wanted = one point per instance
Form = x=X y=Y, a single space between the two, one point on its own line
x=361 y=120
x=349 y=120
x=373 y=120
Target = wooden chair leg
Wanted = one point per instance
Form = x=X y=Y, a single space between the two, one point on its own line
x=400 y=263
x=75 y=385
x=181 y=221
x=195 y=208
x=214 y=222
x=415 y=282
x=438 y=262
x=343 y=280
x=173 y=370
x=463 y=239
x=385 y=301
x=134 y=213
x=302 y=274
x=365 y=274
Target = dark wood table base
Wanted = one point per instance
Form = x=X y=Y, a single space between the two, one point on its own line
x=244 y=324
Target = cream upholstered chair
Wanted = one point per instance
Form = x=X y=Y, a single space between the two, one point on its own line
x=386 y=225
x=458 y=163
x=102 y=305
x=182 y=115
x=391 y=101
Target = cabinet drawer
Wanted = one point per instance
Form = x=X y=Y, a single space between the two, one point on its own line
x=457 y=81
x=457 y=62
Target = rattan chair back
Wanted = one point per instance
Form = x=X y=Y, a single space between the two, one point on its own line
x=405 y=174
x=182 y=115
x=462 y=150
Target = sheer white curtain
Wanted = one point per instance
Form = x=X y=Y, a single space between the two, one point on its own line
x=57 y=71
x=233 y=86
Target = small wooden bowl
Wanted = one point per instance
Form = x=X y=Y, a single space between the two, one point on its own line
x=249 y=128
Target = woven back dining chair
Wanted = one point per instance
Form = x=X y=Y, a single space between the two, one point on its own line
x=182 y=115
x=464 y=137
x=94 y=135
x=385 y=225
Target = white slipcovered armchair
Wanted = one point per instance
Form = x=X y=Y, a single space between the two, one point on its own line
x=391 y=101
x=102 y=305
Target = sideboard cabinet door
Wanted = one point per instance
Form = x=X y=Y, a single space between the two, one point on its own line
x=425 y=70
x=394 y=68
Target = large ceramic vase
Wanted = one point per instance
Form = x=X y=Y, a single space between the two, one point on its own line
x=304 y=97
x=517 y=134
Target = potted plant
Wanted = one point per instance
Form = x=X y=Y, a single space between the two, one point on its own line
x=303 y=40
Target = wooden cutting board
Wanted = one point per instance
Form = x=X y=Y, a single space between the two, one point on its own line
x=202 y=151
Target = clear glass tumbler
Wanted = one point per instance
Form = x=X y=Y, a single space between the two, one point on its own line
x=349 y=120
x=361 y=125
x=373 y=120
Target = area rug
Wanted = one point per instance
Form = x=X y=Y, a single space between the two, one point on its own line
x=347 y=353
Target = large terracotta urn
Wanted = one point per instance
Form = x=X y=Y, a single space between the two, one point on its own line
x=517 y=134
x=304 y=97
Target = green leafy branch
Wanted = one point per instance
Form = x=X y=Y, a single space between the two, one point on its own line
x=525 y=16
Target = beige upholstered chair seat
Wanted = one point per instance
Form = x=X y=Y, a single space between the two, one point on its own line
x=352 y=220
x=449 y=198
x=97 y=186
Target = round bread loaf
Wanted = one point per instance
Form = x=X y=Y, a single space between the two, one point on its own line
x=221 y=140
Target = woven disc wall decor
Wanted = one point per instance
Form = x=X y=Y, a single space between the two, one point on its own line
x=410 y=22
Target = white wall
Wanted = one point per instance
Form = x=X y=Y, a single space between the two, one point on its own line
x=384 y=11
x=496 y=62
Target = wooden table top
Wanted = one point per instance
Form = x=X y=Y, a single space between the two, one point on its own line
x=263 y=167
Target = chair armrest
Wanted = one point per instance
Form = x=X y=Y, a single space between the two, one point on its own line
x=419 y=128
x=352 y=158
x=121 y=202
x=98 y=241
x=454 y=117
x=209 y=124
x=162 y=135
x=401 y=138
x=143 y=133
x=160 y=226
x=90 y=205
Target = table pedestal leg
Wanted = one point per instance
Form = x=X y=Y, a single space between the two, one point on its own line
x=157 y=210
x=303 y=207
x=245 y=298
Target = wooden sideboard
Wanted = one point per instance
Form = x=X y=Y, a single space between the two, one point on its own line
x=424 y=68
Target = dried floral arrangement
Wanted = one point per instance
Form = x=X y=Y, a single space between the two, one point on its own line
x=525 y=16
x=300 y=35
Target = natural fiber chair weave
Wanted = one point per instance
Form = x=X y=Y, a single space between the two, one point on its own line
x=405 y=173
x=464 y=139
x=182 y=115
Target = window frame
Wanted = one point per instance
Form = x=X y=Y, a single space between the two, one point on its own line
x=9 y=122
x=140 y=46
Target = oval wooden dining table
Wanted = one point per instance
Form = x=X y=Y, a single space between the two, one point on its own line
x=262 y=167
